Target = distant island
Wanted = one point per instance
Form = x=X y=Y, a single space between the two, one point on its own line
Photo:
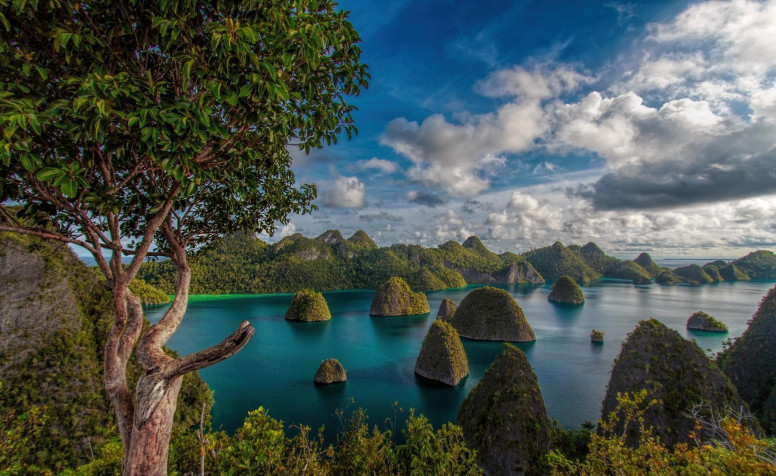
x=243 y=264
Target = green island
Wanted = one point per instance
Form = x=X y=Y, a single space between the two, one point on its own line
x=240 y=263
x=308 y=306
x=395 y=298
x=566 y=291
x=703 y=321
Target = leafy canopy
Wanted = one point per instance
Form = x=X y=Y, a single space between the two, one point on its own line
x=114 y=113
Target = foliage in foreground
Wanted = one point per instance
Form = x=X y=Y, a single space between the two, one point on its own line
x=261 y=446
x=732 y=449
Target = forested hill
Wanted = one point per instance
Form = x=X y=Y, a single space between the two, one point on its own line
x=241 y=263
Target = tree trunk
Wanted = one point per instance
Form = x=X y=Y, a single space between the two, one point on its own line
x=150 y=443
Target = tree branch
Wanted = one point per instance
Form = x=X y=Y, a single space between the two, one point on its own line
x=212 y=355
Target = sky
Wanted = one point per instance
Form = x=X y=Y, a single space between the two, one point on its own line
x=641 y=126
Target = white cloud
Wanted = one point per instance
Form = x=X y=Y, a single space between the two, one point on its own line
x=347 y=192
x=287 y=230
x=381 y=165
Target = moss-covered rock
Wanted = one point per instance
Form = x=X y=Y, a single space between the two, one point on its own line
x=705 y=322
x=395 y=298
x=330 y=371
x=730 y=272
x=425 y=280
x=566 y=291
x=693 y=274
x=713 y=272
x=308 y=306
x=759 y=265
x=645 y=261
x=442 y=356
x=675 y=372
x=595 y=257
x=491 y=314
x=629 y=270
x=751 y=363
x=446 y=309
x=667 y=277
x=504 y=417
x=597 y=336
x=558 y=260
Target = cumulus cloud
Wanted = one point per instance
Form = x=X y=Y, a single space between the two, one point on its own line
x=450 y=226
x=460 y=158
x=424 y=198
x=380 y=165
x=287 y=230
x=347 y=192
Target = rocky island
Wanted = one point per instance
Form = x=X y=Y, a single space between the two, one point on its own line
x=308 y=306
x=491 y=314
x=446 y=309
x=566 y=291
x=673 y=370
x=330 y=371
x=702 y=321
x=597 y=337
x=442 y=357
x=504 y=417
x=395 y=298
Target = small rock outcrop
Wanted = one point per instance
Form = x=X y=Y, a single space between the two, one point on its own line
x=395 y=298
x=645 y=261
x=446 y=309
x=491 y=314
x=675 y=372
x=308 y=306
x=566 y=291
x=442 y=356
x=504 y=417
x=751 y=363
x=704 y=322
x=597 y=336
x=330 y=371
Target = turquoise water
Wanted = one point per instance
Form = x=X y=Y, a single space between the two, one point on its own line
x=275 y=370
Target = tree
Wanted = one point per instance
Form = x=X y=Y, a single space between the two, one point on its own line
x=149 y=128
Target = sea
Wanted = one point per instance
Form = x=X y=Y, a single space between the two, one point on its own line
x=275 y=370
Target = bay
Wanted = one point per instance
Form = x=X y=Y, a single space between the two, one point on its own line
x=275 y=370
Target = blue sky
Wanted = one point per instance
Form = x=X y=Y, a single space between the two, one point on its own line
x=642 y=126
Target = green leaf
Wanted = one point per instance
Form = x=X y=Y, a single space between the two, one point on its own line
x=48 y=173
x=187 y=69
x=69 y=188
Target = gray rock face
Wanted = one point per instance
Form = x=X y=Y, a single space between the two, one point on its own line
x=446 y=309
x=516 y=273
x=442 y=356
x=330 y=371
